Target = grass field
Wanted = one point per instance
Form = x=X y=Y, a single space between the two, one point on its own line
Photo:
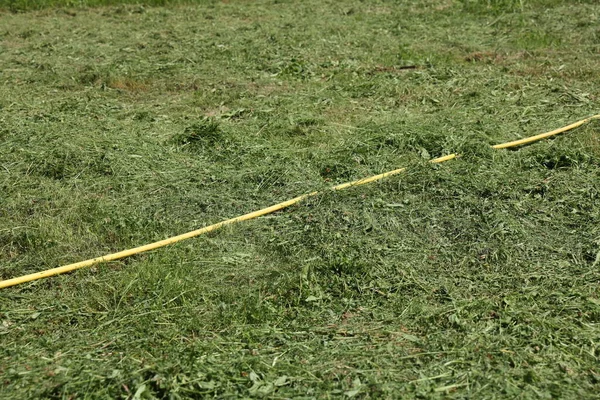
x=125 y=124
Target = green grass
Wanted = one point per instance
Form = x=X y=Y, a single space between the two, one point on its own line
x=28 y=5
x=123 y=125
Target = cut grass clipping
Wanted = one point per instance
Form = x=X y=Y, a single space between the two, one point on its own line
x=124 y=124
x=208 y=132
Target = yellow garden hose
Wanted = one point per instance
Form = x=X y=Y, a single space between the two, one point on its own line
x=256 y=214
x=535 y=138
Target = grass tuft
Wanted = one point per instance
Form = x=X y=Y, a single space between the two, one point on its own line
x=202 y=133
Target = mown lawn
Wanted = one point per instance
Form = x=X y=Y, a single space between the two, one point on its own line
x=125 y=124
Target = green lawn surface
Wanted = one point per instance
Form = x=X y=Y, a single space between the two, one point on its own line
x=124 y=124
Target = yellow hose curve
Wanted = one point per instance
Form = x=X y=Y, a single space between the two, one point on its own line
x=541 y=136
x=126 y=253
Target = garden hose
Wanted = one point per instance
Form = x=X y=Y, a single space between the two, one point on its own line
x=126 y=253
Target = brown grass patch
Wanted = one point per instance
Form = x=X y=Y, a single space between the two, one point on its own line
x=128 y=84
x=488 y=57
